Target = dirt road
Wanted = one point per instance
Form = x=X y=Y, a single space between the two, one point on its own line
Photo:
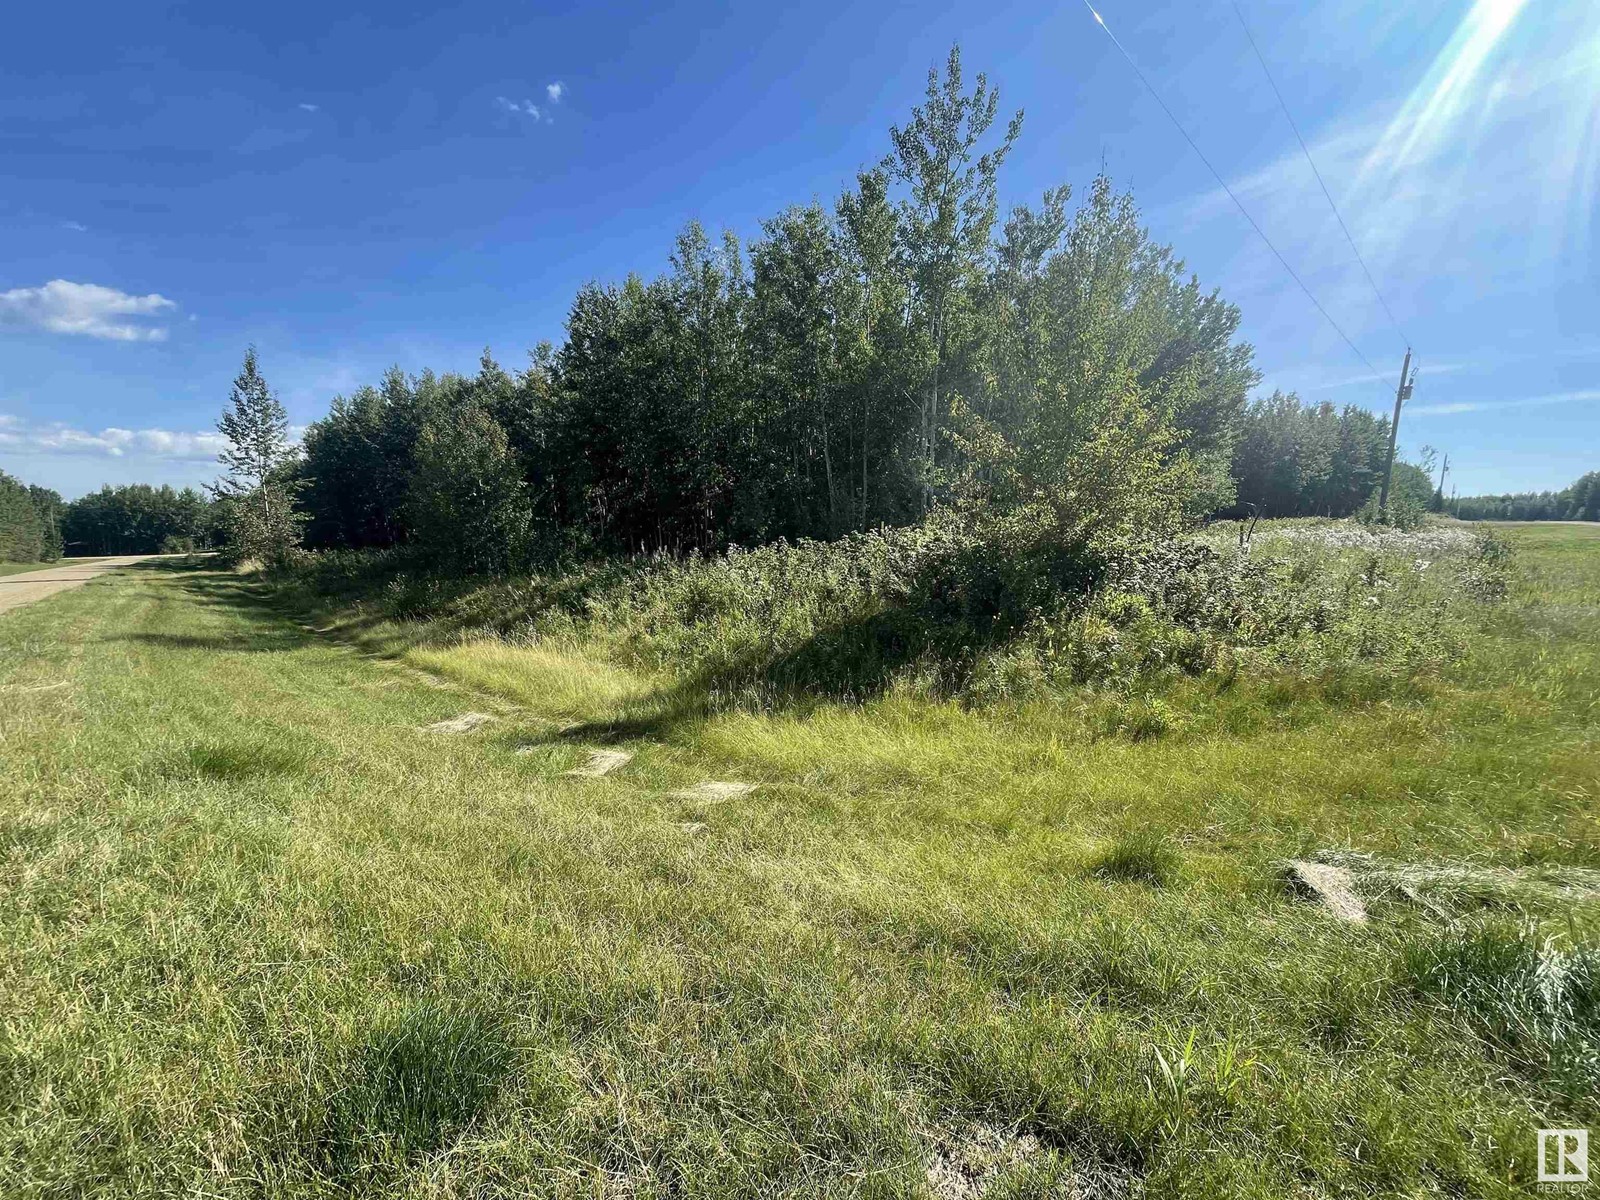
x=17 y=590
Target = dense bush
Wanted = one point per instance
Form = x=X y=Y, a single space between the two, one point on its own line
x=942 y=608
x=948 y=433
x=967 y=450
x=1328 y=599
x=467 y=500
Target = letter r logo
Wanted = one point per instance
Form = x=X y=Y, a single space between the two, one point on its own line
x=1563 y=1155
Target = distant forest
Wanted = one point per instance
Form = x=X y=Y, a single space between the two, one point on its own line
x=858 y=365
x=1579 y=502
x=30 y=522
x=138 y=519
x=36 y=526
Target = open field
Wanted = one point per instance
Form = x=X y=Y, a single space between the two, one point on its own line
x=261 y=934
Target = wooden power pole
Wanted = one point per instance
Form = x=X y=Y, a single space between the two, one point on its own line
x=1401 y=394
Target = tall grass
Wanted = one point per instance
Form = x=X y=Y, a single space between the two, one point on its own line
x=941 y=611
x=258 y=936
x=1536 y=1004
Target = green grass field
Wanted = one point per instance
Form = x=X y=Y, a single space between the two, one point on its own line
x=261 y=935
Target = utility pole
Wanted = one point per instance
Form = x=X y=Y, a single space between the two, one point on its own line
x=1400 y=396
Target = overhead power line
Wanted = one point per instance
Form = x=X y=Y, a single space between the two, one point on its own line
x=1217 y=175
x=1306 y=150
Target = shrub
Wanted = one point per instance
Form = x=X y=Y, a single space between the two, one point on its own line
x=260 y=527
x=1404 y=512
x=1486 y=573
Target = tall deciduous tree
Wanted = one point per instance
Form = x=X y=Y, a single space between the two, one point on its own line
x=794 y=330
x=947 y=218
x=878 y=352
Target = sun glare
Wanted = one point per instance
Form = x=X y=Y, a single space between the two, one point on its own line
x=1446 y=93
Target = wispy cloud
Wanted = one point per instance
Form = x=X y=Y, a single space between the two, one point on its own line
x=526 y=108
x=75 y=226
x=24 y=437
x=309 y=107
x=1310 y=378
x=1471 y=406
x=87 y=309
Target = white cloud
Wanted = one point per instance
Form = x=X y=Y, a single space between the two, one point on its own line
x=1470 y=406
x=555 y=91
x=75 y=226
x=84 y=308
x=310 y=107
x=23 y=437
x=526 y=108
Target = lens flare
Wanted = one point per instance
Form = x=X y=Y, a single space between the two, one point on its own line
x=1507 y=106
x=1446 y=93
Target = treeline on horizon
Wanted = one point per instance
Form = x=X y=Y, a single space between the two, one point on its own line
x=858 y=365
x=36 y=525
x=1578 y=502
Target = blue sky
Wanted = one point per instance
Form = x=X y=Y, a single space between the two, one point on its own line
x=351 y=186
